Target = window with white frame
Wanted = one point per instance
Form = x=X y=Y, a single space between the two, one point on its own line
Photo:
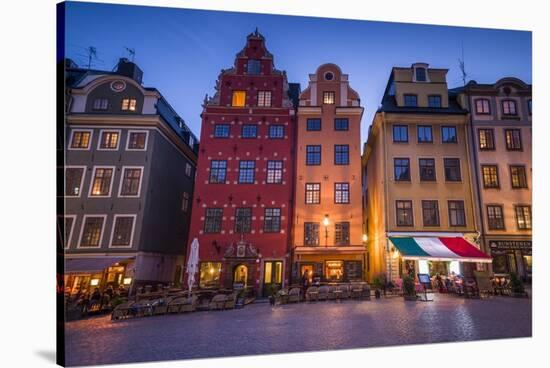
x=128 y=104
x=264 y=98
x=108 y=139
x=188 y=169
x=92 y=231
x=100 y=104
x=73 y=181
x=101 y=182
x=274 y=172
x=185 y=202
x=137 y=140
x=131 y=181
x=123 y=228
x=81 y=139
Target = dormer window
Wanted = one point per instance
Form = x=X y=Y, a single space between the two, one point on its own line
x=328 y=97
x=420 y=74
x=238 y=99
x=101 y=104
x=253 y=67
x=434 y=101
x=128 y=104
x=410 y=100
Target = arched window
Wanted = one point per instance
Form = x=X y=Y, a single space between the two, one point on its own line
x=240 y=275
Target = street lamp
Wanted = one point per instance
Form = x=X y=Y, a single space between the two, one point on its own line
x=326 y=223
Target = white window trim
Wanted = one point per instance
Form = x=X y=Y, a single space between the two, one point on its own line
x=81 y=187
x=137 y=131
x=92 y=181
x=78 y=246
x=425 y=67
x=72 y=136
x=101 y=136
x=122 y=180
x=68 y=241
x=134 y=217
x=188 y=165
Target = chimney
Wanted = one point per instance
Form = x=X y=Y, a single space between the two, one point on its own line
x=129 y=69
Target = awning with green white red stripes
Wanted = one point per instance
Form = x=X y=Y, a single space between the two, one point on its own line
x=438 y=249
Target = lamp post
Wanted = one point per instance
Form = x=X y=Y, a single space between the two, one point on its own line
x=326 y=223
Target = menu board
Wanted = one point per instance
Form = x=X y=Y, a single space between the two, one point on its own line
x=424 y=278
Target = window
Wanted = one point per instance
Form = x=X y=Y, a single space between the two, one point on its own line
x=420 y=74
x=430 y=213
x=313 y=124
x=272 y=220
x=341 y=193
x=311 y=233
x=456 y=213
x=509 y=107
x=518 y=176
x=73 y=181
x=68 y=222
x=185 y=202
x=264 y=98
x=274 y=172
x=495 y=217
x=486 y=139
x=108 y=140
x=249 y=131
x=434 y=101
x=483 y=106
x=100 y=104
x=404 y=213
x=243 y=220
x=221 y=131
x=410 y=100
x=122 y=231
x=213 y=220
x=400 y=133
x=513 y=139
x=101 y=183
x=401 y=169
x=530 y=106
x=246 y=172
x=218 y=171
x=341 y=154
x=128 y=104
x=313 y=155
x=131 y=182
x=425 y=134
x=452 y=169
x=328 y=98
x=313 y=193
x=523 y=217
x=188 y=170
x=489 y=174
x=341 y=233
x=210 y=273
x=238 y=99
x=137 y=140
x=341 y=124
x=448 y=134
x=92 y=231
x=81 y=139
x=276 y=131
x=253 y=67
x=427 y=169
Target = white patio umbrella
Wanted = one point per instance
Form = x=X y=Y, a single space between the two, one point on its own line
x=192 y=263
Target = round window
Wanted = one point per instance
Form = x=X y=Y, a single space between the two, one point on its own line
x=118 y=86
x=329 y=76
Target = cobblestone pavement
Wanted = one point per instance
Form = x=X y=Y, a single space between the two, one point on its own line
x=262 y=329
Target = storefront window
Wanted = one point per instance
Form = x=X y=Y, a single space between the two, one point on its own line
x=528 y=263
x=499 y=263
x=335 y=270
x=210 y=274
x=308 y=270
x=437 y=267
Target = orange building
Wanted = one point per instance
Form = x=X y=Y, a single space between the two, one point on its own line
x=327 y=234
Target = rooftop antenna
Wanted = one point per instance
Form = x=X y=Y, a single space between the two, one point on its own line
x=462 y=67
x=92 y=53
x=131 y=52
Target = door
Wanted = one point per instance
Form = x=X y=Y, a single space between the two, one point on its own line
x=273 y=276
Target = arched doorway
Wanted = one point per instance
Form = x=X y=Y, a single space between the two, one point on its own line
x=240 y=275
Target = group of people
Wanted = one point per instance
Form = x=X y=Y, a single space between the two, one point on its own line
x=94 y=300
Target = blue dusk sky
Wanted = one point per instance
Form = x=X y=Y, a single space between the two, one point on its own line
x=181 y=51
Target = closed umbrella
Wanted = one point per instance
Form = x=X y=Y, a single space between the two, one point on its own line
x=192 y=263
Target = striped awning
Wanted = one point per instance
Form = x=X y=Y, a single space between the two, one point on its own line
x=439 y=249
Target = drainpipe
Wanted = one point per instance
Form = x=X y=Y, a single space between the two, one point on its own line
x=386 y=207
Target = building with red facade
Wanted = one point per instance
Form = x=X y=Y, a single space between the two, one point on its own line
x=242 y=207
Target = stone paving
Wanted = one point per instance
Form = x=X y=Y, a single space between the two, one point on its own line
x=262 y=329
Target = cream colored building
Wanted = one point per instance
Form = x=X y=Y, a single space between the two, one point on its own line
x=417 y=178
x=327 y=235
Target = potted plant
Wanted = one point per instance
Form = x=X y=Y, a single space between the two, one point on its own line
x=272 y=293
x=409 y=292
x=240 y=298
x=516 y=286
x=377 y=285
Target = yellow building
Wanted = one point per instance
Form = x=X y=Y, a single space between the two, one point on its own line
x=327 y=236
x=417 y=177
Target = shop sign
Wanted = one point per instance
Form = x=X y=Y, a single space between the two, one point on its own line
x=510 y=244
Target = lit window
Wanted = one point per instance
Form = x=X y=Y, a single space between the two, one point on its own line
x=92 y=231
x=109 y=140
x=483 y=106
x=519 y=177
x=210 y=273
x=486 y=139
x=328 y=98
x=495 y=217
x=238 y=99
x=264 y=98
x=128 y=104
x=81 y=139
x=101 y=183
x=131 y=179
x=313 y=193
x=509 y=107
x=122 y=233
x=73 y=181
x=513 y=139
x=101 y=104
x=274 y=172
x=341 y=193
x=523 y=217
x=489 y=174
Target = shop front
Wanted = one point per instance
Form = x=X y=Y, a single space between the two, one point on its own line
x=512 y=256
x=84 y=274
